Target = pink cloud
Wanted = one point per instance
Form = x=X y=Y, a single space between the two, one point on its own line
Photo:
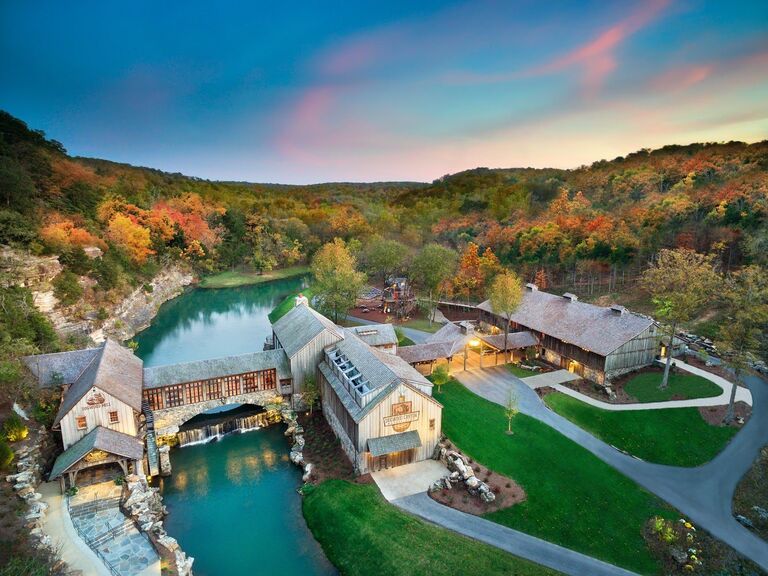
x=596 y=57
x=682 y=78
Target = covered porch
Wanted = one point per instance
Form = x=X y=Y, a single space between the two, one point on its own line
x=391 y=451
x=97 y=452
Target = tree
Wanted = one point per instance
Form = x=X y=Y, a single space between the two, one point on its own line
x=505 y=295
x=337 y=282
x=511 y=409
x=66 y=287
x=469 y=278
x=131 y=237
x=311 y=393
x=440 y=376
x=681 y=282
x=431 y=269
x=746 y=311
x=384 y=257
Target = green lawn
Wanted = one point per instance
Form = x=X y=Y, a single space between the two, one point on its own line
x=574 y=499
x=520 y=372
x=674 y=436
x=422 y=324
x=234 y=279
x=285 y=306
x=682 y=385
x=402 y=339
x=362 y=534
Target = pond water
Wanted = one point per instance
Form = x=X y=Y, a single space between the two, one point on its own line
x=232 y=503
x=203 y=324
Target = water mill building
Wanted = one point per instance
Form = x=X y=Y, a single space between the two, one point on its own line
x=114 y=409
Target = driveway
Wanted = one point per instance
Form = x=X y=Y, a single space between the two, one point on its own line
x=512 y=541
x=704 y=494
x=550 y=379
x=410 y=479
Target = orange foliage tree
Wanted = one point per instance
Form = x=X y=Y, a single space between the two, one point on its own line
x=62 y=233
x=131 y=236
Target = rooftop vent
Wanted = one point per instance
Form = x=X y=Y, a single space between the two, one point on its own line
x=531 y=286
x=371 y=332
x=466 y=328
x=571 y=297
x=619 y=310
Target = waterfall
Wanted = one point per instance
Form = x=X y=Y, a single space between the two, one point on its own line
x=213 y=432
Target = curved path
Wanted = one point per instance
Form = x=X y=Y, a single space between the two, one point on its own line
x=704 y=494
x=512 y=541
x=742 y=394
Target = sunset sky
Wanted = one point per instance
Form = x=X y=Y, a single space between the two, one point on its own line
x=300 y=92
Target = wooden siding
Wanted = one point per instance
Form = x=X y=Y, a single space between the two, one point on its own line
x=97 y=415
x=331 y=403
x=373 y=424
x=638 y=352
x=210 y=389
x=305 y=362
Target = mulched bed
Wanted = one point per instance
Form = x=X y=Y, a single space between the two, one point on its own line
x=596 y=391
x=752 y=492
x=507 y=491
x=323 y=449
x=714 y=414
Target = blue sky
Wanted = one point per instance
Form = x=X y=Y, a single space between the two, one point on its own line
x=326 y=91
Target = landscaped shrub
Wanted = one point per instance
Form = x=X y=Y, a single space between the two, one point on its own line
x=14 y=428
x=6 y=455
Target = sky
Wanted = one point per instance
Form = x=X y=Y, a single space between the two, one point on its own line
x=316 y=91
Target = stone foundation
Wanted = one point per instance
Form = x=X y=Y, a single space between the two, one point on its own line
x=168 y=420
x=346 y=443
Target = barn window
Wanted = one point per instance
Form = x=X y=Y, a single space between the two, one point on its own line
x=249 y=382
x=232 y=385
x=194 y=392
x=214 y=389
x=81 y=423
x=431 y=423
x=154 y=397
x=114 y=417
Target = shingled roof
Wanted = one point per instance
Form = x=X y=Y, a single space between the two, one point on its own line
x=375 y=334
x=595 y=328
x=59 y=367
x=113 y=369
x=99 y=438
x=515 y=340
x=300 y=326
x=157 y=376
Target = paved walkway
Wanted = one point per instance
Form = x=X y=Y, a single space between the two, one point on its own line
x=552 y=379
x=704 y=494
x=512 y=541
x=58 y=526
x=410 y=479
x=742 y=394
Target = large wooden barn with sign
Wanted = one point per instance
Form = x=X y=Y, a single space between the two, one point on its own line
x=379 y=406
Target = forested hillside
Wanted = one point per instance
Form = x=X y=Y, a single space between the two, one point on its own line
x=597 y=223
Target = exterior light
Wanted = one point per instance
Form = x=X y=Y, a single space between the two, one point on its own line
x=474 y=342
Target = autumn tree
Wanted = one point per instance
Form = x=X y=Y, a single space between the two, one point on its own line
x=432 y=267
x=384 y=257
x=745 y=296
x=541 y=280
x=489 y=266
x=469 y=278
x=337 y=281
x=505 y=295
x=681 y=282
x=131 y=237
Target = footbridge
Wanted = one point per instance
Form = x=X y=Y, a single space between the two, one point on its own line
x=179 y=392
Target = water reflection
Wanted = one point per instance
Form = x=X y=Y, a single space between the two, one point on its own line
x=205 y=324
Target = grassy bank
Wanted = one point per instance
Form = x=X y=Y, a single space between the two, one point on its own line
x=574 y=498
x=285 y=306
x=674 y=436
x=681 y=386
x=364 y=535
x=234 y=279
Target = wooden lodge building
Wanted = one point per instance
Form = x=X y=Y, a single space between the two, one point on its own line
x=113 y=408
x=598 y=343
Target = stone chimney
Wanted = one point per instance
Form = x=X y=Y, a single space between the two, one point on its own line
x=618 y=310
x=531 y=286
x=571 y=297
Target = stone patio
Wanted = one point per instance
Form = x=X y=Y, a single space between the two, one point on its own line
x=98 y=519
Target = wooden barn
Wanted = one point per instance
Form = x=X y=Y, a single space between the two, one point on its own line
x=303 y=334
x=100 y=412
x=379 y=406
x=598 y=343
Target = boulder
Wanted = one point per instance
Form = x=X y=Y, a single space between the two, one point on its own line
x=472 y=482
x=744 y=521
x=168 y=542
x=487 y=497
x=762 y=513
x=307 y=472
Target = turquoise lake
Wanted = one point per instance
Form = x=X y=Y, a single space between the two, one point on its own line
x=232 y=503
